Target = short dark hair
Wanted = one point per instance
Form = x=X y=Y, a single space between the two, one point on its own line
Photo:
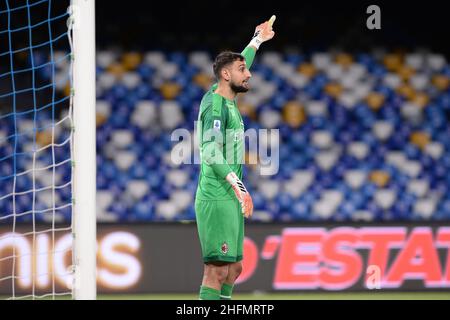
x=224 y=59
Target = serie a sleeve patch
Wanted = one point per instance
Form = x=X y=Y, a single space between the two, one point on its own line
x=217 y=125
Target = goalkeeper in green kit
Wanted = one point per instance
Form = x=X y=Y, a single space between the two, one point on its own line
x=222 y=201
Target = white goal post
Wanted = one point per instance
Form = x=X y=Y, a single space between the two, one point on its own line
x=84 y=147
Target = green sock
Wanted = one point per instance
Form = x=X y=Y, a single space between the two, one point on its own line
x=225 y=293
x=207 y=293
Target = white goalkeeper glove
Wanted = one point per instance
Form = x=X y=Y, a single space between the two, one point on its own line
x=241 y=194
x=263 y=33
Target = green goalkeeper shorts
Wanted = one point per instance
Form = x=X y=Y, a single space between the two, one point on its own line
x=220 y=227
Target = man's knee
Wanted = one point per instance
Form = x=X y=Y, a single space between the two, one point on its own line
x=219 y=272
x=236 y=268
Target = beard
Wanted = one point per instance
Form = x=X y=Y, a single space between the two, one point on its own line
x=238 y=88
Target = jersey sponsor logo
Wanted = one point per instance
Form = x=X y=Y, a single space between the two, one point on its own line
x=224 y=248
x=216 y=124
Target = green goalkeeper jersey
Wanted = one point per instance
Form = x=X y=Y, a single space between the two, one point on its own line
x=220 y=131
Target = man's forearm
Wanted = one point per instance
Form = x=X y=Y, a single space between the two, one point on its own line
x=249 y=55
x=213 y=156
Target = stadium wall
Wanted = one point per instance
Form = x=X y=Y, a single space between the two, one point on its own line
x=157 y=258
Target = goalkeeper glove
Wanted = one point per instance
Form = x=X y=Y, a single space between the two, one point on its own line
x=256 y=40
x=263 y=33
x=241 y=194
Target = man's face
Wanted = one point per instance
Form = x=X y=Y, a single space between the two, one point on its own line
x=238 y=76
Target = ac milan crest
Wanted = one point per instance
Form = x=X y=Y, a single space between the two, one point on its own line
x=224 y=248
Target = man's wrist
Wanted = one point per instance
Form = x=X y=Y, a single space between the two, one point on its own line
x=255 y=42
x=232 y=178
